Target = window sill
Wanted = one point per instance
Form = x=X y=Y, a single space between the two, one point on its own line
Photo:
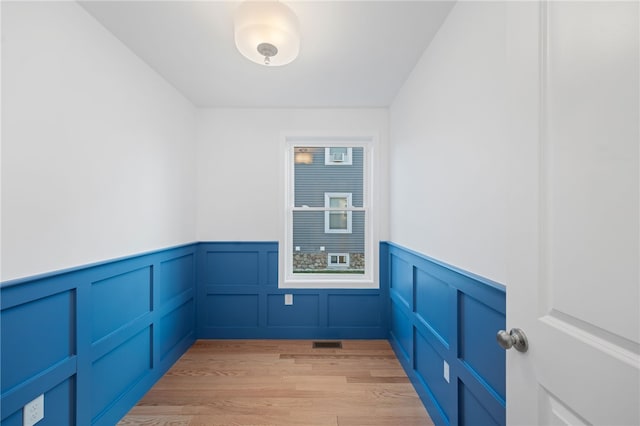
x=337 y=283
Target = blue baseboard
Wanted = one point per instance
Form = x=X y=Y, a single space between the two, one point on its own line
x=442 y=315
x=94 y=339
x=238 y=297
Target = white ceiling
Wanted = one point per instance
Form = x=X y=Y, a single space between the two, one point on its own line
x=352 y=53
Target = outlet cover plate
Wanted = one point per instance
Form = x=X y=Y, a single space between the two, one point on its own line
x=33 y=411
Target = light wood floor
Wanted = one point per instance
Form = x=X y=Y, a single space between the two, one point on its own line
x=282 y=382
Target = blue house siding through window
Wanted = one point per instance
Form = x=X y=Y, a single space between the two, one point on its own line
x=312 y=181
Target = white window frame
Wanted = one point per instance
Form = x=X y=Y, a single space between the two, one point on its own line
x=369 y=279
x=327 y=214
x=329 y=161
x=338 y=265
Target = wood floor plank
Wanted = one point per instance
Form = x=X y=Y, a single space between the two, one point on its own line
x=380 y=421
x=282 y=383
x=137 y=420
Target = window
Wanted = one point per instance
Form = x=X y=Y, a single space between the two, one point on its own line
x=338 y=259
x=337 y=221
x=328 y=231
x=338 y=156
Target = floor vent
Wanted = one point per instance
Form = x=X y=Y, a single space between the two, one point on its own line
x=329 y=345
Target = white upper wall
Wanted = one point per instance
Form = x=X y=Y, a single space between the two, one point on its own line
x=241 y=167
x=448 y=145
x=99 y=153
x=97 y=149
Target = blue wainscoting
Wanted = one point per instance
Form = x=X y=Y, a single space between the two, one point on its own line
x=238 y=297
x=94 y=339
x=440 y=314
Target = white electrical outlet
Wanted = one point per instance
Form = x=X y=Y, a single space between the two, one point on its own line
x=321 y=248
x=33 y=412
x=288 y=299
x=446 y=371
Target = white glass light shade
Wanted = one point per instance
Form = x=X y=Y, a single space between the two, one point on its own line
x=271 y=22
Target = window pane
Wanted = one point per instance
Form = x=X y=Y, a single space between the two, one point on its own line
x=313 y=178
x=315 y=245
x=338 y=202
x=331 y=239
x=338 y=220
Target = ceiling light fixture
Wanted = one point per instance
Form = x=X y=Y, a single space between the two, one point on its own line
x=267 y=32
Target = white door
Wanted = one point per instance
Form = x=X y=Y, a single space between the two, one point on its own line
x=573 y=267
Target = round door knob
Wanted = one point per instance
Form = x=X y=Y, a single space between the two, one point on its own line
x=515 y=338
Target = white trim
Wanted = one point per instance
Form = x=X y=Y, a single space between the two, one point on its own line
x=368 y=280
